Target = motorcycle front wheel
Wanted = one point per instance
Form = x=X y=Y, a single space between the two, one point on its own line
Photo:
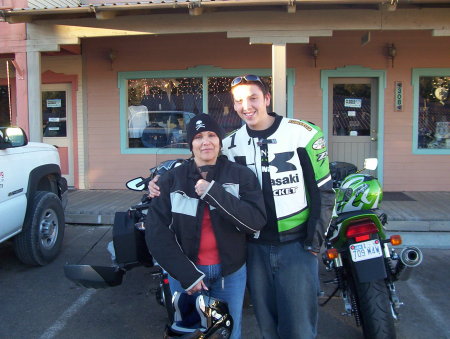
x=375 y=310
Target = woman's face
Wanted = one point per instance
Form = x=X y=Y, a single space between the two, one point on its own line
x=206 y=147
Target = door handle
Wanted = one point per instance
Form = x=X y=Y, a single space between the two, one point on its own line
x=373 y=139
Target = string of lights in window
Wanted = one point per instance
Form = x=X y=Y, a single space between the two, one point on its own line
x=441 y=88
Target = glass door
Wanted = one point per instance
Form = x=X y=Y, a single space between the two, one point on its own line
x=353 y=122
x=57 y=124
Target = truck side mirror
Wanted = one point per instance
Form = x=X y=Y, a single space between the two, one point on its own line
x=12 y=137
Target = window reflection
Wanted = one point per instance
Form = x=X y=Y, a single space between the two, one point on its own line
x=351 y=109
x=220 y=103
x=434 y=113
x=4 y=106
x=54 y=119
x=159 y=110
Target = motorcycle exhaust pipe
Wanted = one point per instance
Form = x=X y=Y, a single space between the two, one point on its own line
x=409 y=258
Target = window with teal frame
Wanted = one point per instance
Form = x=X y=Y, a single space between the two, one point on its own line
x=156 y=106
x=431 y=134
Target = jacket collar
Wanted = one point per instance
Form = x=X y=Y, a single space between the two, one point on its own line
x=194 y=173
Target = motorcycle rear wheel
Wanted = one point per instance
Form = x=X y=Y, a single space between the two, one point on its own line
x=375 y=310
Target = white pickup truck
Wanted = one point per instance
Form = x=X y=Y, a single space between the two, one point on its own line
x=33 y=195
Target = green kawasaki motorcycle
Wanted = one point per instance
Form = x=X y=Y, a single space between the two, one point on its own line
x=360 y=254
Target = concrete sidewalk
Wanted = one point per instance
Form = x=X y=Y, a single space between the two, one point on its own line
x=423 y=218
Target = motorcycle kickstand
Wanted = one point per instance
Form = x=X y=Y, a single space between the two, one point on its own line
x=395 y=301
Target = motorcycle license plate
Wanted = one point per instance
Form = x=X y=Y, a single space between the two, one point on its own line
x=366 y=250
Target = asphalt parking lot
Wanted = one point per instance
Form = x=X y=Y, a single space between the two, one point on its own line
x=42 y=303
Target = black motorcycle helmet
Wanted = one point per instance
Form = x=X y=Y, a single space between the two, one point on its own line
x=199 y=317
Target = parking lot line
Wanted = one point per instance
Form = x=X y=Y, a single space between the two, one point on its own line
x=60 y=323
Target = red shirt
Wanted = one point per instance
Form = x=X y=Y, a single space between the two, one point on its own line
x=208 y=253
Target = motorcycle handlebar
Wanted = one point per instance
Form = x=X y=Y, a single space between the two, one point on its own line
x=145 y=182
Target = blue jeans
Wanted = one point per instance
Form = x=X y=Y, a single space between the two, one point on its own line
x=230 y=289
x=284 y=284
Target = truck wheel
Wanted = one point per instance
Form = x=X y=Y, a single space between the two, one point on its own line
x=43 y=231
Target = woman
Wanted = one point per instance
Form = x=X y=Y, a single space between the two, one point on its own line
x=196 y=228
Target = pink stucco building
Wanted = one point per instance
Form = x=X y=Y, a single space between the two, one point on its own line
x=113 y=84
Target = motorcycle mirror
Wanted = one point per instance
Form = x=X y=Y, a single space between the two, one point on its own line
x=370 y=164
x=136 y=184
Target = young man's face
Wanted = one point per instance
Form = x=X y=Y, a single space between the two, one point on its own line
x=251 y=105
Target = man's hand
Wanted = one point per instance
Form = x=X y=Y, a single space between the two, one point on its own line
x=201 y=186
x=153 y=188
x=197 y=288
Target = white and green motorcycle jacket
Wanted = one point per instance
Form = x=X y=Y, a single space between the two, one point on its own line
x=297 y=162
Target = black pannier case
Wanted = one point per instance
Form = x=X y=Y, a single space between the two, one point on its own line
x=129 y=242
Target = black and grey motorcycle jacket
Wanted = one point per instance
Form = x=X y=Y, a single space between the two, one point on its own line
x=295 y=177
x=174 y=219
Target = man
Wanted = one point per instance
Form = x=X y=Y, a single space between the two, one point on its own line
x=290 y=159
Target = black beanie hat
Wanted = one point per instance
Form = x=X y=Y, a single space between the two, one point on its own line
x=201 y=123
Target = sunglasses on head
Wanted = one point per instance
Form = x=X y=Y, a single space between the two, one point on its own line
x=249 y=77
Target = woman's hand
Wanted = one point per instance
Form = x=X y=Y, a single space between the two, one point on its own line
x=153 y=188
x=197 y=288
x=201 y=186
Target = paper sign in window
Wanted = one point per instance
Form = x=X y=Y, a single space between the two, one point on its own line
x=352 y=102
x=53 y=102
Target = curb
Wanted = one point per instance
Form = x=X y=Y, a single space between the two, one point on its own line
x=418 y=226
x=424 y=239
x=91 y=219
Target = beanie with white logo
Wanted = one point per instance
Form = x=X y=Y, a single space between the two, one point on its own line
x=201 y=123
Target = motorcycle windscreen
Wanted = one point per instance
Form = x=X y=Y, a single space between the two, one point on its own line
x=94 y=276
